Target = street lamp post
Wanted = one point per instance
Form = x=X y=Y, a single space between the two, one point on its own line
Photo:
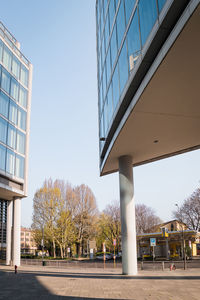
x=183 y=243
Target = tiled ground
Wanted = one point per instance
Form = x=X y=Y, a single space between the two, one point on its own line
x=51 y=283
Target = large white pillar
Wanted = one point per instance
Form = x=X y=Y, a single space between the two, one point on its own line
x=127 y=209
x=8 y=232
x=16 y=231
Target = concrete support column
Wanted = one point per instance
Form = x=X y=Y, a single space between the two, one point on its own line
x=16 y=231
x=8 y=232
x=127 y=209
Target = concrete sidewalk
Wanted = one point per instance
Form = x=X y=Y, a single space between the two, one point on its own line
x=36 y=282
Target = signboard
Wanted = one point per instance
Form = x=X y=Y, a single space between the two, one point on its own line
x=68 y=250
x=114 y=242
x=152 y=242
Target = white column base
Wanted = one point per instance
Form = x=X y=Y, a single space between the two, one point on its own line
x=127 y=208
x=16 y=249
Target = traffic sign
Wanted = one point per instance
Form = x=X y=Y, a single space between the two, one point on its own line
x=114 y=242
x=152 y=242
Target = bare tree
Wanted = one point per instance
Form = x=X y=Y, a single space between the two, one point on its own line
x=84 y=214
x=146 y=219
x=189 y=211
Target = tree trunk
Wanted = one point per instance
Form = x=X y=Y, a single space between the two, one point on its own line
x=54 y=249
x=61 y=251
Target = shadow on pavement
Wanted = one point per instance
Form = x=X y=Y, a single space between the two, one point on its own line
x=75 y=275
x=30 y=284
x=25 y=285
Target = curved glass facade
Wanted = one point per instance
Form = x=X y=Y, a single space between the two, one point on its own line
x=14 y=76
x=123 y=27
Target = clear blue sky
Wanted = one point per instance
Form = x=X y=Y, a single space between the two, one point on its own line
x=59 y=38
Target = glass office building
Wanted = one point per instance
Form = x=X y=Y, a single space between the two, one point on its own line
x=146 y=70
x=15 y=93
x=123 y=28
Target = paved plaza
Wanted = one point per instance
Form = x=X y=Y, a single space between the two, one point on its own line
x=37 y=282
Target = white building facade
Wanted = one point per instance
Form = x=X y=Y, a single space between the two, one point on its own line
x=15 y=102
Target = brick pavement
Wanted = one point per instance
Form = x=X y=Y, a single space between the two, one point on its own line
x=37 y=282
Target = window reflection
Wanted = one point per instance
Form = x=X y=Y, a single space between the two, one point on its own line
x=148 y=16
x=120 y=23
x=114 y=45
x=20 y=147
x=7 y=58
x=10 y=162
x=4 y=103
x=115 y=87
x=11 y=136
x=123 y=67
x=3 y=130
x=129 y=4
x=19 y=169
x=133 y=39
x=111 y=12
x=13 y=112
x=5 y=81
x=3 y=157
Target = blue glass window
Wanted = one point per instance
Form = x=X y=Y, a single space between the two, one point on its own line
x=19 y=169
x=148 y=16
x=100 y=65
x=114 y=45
x=10 y=162
x=115 y=87
x=102 y=134
x=110 y=103
x=7 y=58
x=103 y=50
x=105 y=116
x=161 y=3
x=13 y=112
x=129 y=5
x=104 y=82
x=1 y=49
x=105 y=5
x=22 y=119
x=111 y=12
x=11 y=136
x=15 y=67
x=20 y=142
x=102 y=21
x=14 y=90
x=120 y=23
x=5 y=81
x=3 y=157
x=107 y=32
x=133 y=39
x=123 y=67
x=108 y=65
x=100 y=100
x=24 y=75
x=23 y=94
x=3 y=130
x=4 y=104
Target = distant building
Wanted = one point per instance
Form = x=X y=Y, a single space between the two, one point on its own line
x=169 y=239
x=15 y=101
x=28 y=244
